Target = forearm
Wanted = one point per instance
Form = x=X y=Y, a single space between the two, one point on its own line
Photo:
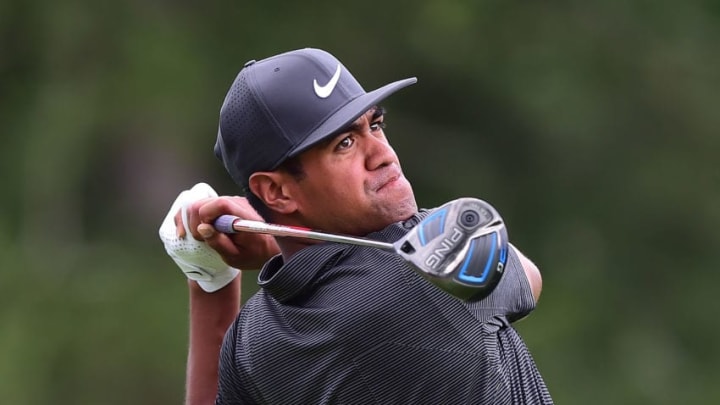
x=210 y=316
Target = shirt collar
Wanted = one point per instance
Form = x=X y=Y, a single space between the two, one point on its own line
x=285 y=280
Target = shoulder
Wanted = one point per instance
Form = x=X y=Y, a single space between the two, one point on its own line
x=532 y=273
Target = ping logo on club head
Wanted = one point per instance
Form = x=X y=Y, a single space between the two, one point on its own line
x=444 y=247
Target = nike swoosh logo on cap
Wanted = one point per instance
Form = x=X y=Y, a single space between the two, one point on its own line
x=326 y=90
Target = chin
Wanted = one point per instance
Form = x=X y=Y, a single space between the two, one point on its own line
x=394 y=203
x=406 y=209
x=406 y=202
x=402 y=208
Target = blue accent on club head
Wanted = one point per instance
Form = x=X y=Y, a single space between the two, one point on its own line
x=468 y=257
x=503 y=255
x=430 y=220
x=478 y=280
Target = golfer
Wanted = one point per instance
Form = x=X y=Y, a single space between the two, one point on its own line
x=332 y=323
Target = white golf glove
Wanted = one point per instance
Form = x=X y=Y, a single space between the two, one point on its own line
x=196 y=259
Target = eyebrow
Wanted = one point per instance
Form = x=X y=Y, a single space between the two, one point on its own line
x=377 y=112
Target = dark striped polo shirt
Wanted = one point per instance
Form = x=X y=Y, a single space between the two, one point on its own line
x=341 y=324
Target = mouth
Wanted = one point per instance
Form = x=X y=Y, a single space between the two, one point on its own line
x=387 y=179
x=389 y=182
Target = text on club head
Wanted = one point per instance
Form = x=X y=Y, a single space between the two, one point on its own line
x=443 y=248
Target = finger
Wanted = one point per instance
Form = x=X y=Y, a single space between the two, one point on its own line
x=237 y=206
x=221 y=206
x=179 y=226
x=207 y=231
x=184 y=215
x=220 y=242
x=193 y=219
x=255 y=248
x=177 y=217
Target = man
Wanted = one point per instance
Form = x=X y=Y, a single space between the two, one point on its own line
x=332 y=323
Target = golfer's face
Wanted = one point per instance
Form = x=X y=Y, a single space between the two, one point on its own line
x=354 y=183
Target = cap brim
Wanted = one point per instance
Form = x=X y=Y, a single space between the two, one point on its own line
x=349 y=113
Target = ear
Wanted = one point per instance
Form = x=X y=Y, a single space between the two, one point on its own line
x=271 y=188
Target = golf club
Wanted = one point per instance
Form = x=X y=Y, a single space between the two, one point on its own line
x=461 y=247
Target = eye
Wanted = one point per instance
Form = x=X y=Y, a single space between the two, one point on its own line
x=377 y=125
x=345 y=143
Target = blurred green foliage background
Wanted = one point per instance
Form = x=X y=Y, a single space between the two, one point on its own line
x=592 y=126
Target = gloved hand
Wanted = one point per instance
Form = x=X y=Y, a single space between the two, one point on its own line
x=195 y=258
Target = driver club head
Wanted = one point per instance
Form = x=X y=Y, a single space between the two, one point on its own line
x=462 y=247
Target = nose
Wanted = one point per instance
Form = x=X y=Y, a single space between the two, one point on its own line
x=379 y=153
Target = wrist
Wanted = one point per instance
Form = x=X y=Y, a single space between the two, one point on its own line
x=203 y=287
x=219 y=280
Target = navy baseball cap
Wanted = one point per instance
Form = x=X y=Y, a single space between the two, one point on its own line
x=280 y=106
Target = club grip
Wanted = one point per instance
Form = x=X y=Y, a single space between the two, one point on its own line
x=224 y=223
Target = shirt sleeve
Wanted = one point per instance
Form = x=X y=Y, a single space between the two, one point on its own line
x=513 y=295
x=232 y=387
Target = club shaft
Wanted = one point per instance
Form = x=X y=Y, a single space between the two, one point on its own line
x=232 y=224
